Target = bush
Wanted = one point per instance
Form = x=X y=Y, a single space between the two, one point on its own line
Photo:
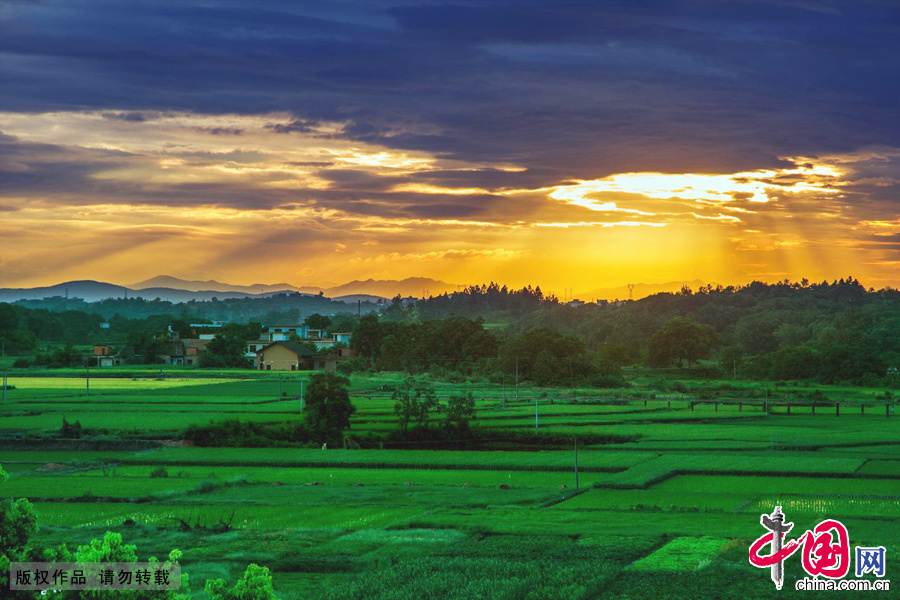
x=256 y=584
x=70 y=430
x=233 y=433
x=22 y=363
x=159 y=472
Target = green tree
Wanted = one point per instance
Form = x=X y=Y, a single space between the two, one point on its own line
x=795 y=363
x=545 y=369
x=328 y=406
x=367 y=337
x=681 y=339
x=460 y=410
x=146 y=346
x=731 y=359
x=414 y=402
x=256 y=584
x=227 y=349
x=317 y=321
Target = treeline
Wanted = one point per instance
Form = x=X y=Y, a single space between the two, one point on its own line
x=240 y=310
x=828 y=332
x=825 y=332
x=473 y=300
x=22 y=328
x=461 y=346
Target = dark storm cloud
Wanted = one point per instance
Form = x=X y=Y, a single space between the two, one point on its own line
x=572 y=89
x=296 y=126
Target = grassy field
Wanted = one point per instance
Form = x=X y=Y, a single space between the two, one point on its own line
x=675 y=509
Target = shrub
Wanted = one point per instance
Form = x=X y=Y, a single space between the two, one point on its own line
x=159 y=472
x=70 y=430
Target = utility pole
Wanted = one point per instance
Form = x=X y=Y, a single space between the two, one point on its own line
x=535 y=414
x=576 y=462
x=301 y=396
x=279 y=388
x=87 y=379
x=4 y=386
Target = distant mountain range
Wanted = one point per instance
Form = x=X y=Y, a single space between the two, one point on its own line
x=167 y=281
x=173 y=289
x=641 y=290
x=388 y=288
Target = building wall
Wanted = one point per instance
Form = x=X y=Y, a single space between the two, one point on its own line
x=277 y=358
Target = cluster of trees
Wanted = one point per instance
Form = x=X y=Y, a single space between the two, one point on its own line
x=681 y=340
x=472 y=300
x=455 y=343
x=18 y=524
x=461 y=345
x=416 y=401
x=548 y=357
x=326 y=416
x=228 y=348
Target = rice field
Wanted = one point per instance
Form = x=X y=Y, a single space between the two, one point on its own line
x=676 y=506
x=820 y=486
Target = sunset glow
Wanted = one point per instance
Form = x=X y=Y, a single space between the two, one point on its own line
x=318 y=174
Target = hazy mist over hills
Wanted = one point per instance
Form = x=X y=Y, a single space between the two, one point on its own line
x=173 y=289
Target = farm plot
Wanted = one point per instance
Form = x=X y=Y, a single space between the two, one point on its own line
x=665 y=466
x=684 y=554
x=780 y=432
x=78 y=514
x=641 y=500
x=432 y=459
x=623 y=522
x=55 y=456
x=781 y=485
x=353 y=476
x=134 y=420
x=830 y=506
x=42 y=387
x=881 y=467
x=415 y=497
x=63 y=486
x=120 y=406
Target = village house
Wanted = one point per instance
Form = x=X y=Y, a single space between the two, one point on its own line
x=192 y=350
x=285 y=355
x=184 y=352
x=297 y=356
x=106 y=356
x=281 y=333
x=205 y=331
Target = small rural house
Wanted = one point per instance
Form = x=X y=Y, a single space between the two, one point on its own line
x=285 y=356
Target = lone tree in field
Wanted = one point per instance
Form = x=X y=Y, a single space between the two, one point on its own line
x=414 y=401
x=681 y=339
x=328 y=406
x=460 y=410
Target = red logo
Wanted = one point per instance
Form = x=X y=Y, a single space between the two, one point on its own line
x=826 y=548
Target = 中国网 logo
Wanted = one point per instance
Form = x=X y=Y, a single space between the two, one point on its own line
x=825 y=552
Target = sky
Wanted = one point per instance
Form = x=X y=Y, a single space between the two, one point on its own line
x=562 y=144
